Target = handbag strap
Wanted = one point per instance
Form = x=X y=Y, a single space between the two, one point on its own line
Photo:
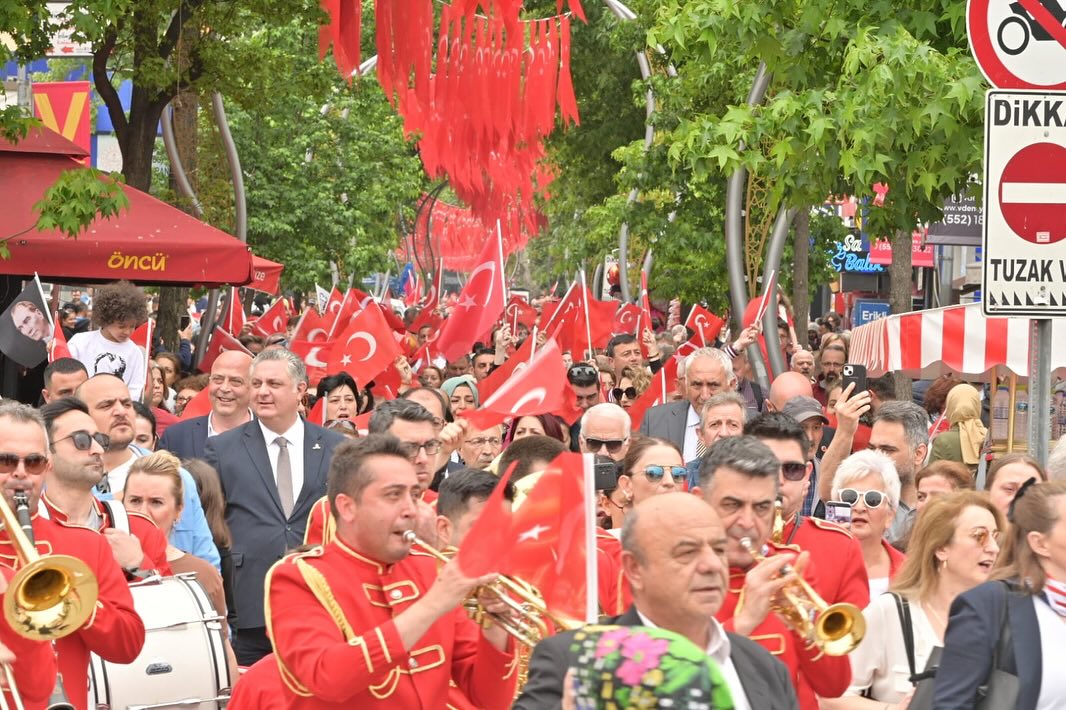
x=1005 y=645
x=903 y=608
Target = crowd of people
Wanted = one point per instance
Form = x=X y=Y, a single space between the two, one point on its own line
x=726 y=515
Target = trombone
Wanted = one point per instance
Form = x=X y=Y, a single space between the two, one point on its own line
x=836 y=629
x=50 y=596
x=529 y=625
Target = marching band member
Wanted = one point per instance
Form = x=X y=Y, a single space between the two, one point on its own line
x=115 y=632
x=361 y=621
x=739 y=478
x=834 y=552
x=32 y=663
x=77 y=466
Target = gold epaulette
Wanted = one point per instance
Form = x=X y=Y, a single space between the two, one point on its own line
x=827 y=525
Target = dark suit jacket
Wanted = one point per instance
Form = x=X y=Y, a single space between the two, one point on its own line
x=667 y=421
x=970 y=641
x=261 y=534
x=185 y=439
x=765 y=679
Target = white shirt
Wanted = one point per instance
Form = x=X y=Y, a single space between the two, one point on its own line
x=718 y=649
x=295 y=438
x=1052 y=641
x=126 y=360
x=211 y=431
x=688 y=451
x=116 y=477
x=880 y=661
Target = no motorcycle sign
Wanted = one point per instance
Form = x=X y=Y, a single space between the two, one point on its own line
x=1019 y=44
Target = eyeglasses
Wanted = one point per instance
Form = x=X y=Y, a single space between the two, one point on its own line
x=655 y=472
x=83 y=440
x=34 y=463
x=871 y=499
x=618 y=393
x=346 y=425
x=180 y=399
x=583 y=375
x=982 y=535
x=480 y=441
x=613 y=445
x=432 y=447
x=794 y=470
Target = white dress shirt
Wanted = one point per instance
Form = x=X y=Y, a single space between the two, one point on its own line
x=1052 y=639
x=718 y=649
x=688 y=451
x=211 y=431
x=879 y=664
x=295 y=438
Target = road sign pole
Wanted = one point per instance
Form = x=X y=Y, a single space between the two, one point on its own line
x=1039 y=388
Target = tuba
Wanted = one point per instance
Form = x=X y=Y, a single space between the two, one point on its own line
x=50 y=596
x=836 y=629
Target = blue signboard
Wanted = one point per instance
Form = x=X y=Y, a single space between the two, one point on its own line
x=867 y=311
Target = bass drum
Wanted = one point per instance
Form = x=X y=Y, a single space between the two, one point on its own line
x=183 y=663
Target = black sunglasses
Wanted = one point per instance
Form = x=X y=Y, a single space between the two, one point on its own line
x=872 y=499
x=613 y=445
x=34 y=463
x=655 y=472
x=83 y=440
x=618 y=393
x=583 y=375
x=793 y=470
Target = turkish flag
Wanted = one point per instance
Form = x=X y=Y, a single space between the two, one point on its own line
x=662 y=386
x=519 y=311
x=428 y=314
x=58 y=347
x=314 y=354
x=705 y=325
x=332 y=309
x=272 y=321
x=198 y=406
x=644 y=321
x=221 y=341
x=142 y=337
x=491 y=536
x=233 y=318
x=625 y=319
x=480 y=304
x=538 y=388
x=312 y=328
x=498 y=377
x=317 y=415
x=365 y=348
x=581 y=322
x=551 y=529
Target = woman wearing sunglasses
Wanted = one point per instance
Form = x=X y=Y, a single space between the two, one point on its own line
x=631 y=384
x=868 y=482
x=953 y=549
x=652 y=466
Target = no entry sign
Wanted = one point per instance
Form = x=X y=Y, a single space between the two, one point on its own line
x=1019 y=44
x=1025 y=204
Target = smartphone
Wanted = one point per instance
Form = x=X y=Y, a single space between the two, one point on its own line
x=838 y=512
x=183 y=321
x=856 y=374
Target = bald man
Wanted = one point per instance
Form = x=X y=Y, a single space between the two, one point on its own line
x=230 y=392
x=786 y=386
x=673 y=557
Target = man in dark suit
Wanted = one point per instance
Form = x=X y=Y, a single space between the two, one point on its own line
x=708 y=371
x=272 y=469
x=229 y=392
x=674 y=560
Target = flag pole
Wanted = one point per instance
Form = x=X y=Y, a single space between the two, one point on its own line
x=585 y=303
x=503 y=272
x=533 y=346
x=556 y=313
x=589 y=512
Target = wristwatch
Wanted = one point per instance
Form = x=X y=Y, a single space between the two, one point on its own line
x=142 y=574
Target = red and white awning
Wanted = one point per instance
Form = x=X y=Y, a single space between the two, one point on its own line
x=956 y=339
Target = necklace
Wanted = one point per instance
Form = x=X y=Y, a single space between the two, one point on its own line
x=934 y=615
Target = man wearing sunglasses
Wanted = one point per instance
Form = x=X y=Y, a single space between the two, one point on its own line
x=584 y=379
x=115 y=632
x=740 y=479
x=77 y=466
x=834 y=552
x=605 y=430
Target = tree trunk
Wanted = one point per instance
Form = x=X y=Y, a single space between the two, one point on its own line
x=900 y=273
x=801 y=286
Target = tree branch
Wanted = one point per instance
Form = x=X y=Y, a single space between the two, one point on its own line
x=106 y=89
x=170 y=38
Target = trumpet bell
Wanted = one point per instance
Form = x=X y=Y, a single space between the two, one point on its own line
x=839 y=628
x=50 y=597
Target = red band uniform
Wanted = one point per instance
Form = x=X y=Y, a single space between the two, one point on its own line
x=34 y=668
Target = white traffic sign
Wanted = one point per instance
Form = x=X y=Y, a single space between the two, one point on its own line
x=1024 y=261
x=63 y=45
x=1019 y=44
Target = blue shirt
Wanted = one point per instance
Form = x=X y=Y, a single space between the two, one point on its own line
x=190 y=532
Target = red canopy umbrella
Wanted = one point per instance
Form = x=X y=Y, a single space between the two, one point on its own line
x=266 y=275
x=150 y=242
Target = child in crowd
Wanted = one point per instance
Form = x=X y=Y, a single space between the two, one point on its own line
x=118 y=308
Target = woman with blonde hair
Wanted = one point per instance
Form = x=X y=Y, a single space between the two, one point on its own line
x=953 y=549
x=154 y=488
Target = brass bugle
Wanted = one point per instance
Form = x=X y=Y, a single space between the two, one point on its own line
x=835 y=628
x=529 y=625
x=50 y=596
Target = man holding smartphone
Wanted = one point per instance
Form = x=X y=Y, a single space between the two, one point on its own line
x=834 y=552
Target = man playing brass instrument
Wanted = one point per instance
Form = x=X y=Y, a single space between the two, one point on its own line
x=363 y=621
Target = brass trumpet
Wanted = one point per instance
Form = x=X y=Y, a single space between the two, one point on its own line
x=531 y=619
x=836 y=629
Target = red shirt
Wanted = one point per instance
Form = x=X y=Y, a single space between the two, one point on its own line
x=324 y=665
x=836 y=555
x=115 y=632
x=259 y=687
x=153 y=542
x=35 y=663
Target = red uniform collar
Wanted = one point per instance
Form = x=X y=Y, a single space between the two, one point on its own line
x=60 y=516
